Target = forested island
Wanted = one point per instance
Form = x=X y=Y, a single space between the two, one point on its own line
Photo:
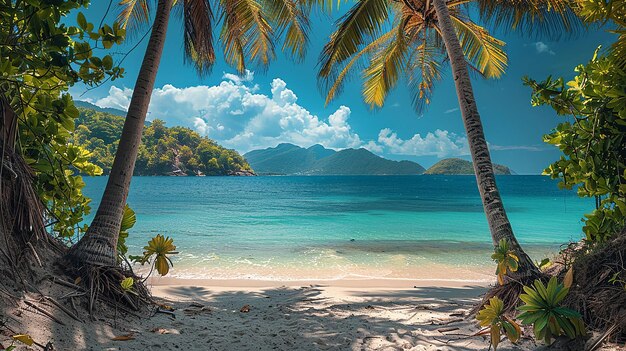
x=177 y=151
x=457 y=166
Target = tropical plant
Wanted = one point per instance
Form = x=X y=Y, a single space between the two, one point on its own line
x=422 y=33
x=543 y=311
x=608 y=11
x=249 y=30
x=128 y=221
x=505 y=258
x=162 y=149
x=492 y=316
x=159 y=248
x=127 y=284
x=41 y=57
x=593 y=161
x=22 y=338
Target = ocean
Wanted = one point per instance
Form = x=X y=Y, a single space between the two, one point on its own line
x=342 y=227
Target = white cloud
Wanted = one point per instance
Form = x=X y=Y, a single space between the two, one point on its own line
x=452 y=110
x=237 y=116
x=542 y=47
x=118 y=98
x=441 y=143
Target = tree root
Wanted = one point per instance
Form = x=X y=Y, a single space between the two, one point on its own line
x=599 y=289
x=104 y=284
x=509 y=292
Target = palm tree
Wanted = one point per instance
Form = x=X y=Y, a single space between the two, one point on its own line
x=423 y=36
x=249 y=29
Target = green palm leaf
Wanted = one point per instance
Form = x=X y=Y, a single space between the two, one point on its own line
x=547 y=17
x=133 y=14
x=425 y=67
x=245 y=33
x=365 y=19
x=483 y=51
x=336 y=83
x=384 y=69
x=290 y=17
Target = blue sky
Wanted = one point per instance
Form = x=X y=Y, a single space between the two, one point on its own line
x=283 y=103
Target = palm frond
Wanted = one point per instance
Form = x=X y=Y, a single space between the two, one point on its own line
x=364 y=19
x=245 y=33
x=198 y=34
x=291 y=20
x=133 y=14
x=424 y=68
x=384 y=69
x=483 y=51
x=551 y=18
x=335 y=81
x=324 y=5
x=618 y=49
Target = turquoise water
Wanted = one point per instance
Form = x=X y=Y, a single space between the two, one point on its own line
x=330 y=227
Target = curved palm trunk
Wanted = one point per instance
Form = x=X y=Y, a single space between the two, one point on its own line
x=99 y=245
x=497 y=219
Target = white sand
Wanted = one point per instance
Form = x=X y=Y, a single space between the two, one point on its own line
x=339 y=315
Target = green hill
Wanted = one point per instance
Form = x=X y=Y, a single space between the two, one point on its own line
x=286 y=158
x=89 y=105
x=317 y=160
x=456 y=166
x=164 y=150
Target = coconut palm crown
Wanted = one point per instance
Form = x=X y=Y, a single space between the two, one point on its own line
x=388 y=40
x=248 y=29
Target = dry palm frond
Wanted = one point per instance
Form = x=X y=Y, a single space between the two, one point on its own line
x=198 y=34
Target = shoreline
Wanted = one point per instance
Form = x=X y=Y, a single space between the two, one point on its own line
x=159 y=285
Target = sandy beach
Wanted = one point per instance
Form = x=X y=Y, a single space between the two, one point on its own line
x=271 y=315
x=266 y=315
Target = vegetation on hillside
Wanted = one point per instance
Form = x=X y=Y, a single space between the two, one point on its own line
x=458 y=166
x=164 y=150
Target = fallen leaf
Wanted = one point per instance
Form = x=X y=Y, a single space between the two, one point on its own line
x=24 y=339
x=77 y=280
x=166 y=307
x=569 y=278
x=245 y=309
x=159 y=331
x=124 y=337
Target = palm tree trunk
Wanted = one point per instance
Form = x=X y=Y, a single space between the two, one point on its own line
x=497 y=219
x=99 y=245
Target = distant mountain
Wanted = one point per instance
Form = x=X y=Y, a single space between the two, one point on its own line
x=456 y=166
x=109 y=110
x=317 y=160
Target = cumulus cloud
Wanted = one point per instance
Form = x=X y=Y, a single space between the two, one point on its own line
x=236 y=115
x=441 y=143
x=542 y=47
